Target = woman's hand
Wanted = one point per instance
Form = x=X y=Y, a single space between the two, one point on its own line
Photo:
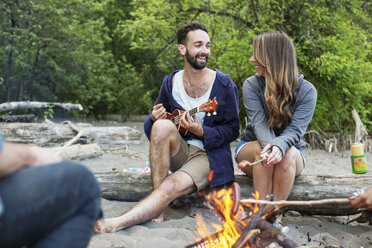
x=274 y=157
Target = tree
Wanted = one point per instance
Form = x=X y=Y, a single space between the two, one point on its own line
x=109 y=54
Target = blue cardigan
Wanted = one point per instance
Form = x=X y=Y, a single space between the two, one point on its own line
x=219 y=130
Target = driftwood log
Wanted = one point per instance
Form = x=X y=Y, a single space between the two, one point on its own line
x=78 y=152
x=335 y=142
x=52 y=134
x=131 y=186
x=17 y=118
x=8 y=106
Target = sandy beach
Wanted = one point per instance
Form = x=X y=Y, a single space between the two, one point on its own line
x=179 y=227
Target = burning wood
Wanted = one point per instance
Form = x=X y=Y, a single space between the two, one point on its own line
x=209 y=241
x=269 y=232
x=243 y=225
x=244 y=237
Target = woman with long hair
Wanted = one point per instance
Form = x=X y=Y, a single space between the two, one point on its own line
x=280 y=104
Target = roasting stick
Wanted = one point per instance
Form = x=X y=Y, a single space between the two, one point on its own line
x=247 y=164
x=298 y=203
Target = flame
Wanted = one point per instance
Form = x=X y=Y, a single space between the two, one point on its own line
x=210 y=175
x=227 y=234
x=201 y=226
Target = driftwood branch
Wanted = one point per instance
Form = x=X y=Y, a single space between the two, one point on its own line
x=360 y=130
x=79 y=138
x=78 y=152
x=245 y=235
x=334 y=142
x=70 y=142
x=73 y=126
x=7 y=106
x=297 y=203
x=54 y=134
x=18 y=118
x=268 y=230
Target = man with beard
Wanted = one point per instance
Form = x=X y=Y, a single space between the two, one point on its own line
x=203 y=156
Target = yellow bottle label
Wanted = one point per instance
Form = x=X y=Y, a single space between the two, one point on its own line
x=359 y=165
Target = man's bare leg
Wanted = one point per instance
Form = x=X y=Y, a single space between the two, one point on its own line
x=165 y=143
x=179 y=183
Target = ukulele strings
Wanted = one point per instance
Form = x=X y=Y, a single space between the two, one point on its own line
x=176 y=119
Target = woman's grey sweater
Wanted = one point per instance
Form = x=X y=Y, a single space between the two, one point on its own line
x=257 y=127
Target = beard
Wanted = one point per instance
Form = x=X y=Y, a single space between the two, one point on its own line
x=194 y=62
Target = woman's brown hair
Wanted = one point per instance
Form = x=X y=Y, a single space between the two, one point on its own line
x=276 y=53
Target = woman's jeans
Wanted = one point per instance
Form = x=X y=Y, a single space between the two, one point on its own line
x=55 y=205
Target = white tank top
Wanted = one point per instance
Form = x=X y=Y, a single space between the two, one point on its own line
x=188 y=103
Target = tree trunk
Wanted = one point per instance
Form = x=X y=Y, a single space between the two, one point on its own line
x=360 y=130
x=52 y=134
x=131 y=186
x=28 y=85
x=8 y=76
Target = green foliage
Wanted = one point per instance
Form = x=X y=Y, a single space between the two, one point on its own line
x=111 y=55
x=48 y=112
x=336 y=58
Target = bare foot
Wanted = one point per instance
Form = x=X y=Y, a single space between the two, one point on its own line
x=159 y=218
x=107 y=226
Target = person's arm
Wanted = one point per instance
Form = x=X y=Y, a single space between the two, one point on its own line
x=301 y=117
x=254 y=105
x=363 y=200
x=14 y=157
x=160 y=105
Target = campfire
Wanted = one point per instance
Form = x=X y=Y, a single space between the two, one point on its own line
x=242 y=223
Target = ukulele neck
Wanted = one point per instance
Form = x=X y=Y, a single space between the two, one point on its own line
x=193 y=111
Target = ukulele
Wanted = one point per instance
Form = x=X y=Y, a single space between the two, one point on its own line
x=209 y=106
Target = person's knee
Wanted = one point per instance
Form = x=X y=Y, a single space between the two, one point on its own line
x=162 y=130
x=257 y=152
x=85 y=185
x=288 y=163
x=250 y=152
x=82 y=177
x=168 y=188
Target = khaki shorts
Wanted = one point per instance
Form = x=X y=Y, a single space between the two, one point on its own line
x=194 y=162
